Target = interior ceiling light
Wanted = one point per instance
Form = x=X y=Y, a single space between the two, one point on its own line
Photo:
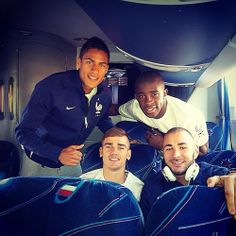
x=169 y=2
x=165 y=67
x=81 y=40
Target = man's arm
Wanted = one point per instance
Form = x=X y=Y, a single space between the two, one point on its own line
x=155 y=139
x=144 y=203
x=128 y=110
x=229 y=184
x=32 y=117
x=203 y=149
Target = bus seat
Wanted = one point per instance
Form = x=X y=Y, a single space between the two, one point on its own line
x=135 y=130
x=144 y=160
x=187 y=210
x=225 y=158
x=215 y=136
x=9 y=160
x=67 y=206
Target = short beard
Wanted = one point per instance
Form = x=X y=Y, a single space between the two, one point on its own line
x=184 y=172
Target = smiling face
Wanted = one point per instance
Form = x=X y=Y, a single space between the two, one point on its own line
x=151 y=95
x=179 y=151
x=92 y=68
x=115 y=151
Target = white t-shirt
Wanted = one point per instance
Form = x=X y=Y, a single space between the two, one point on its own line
x=178 y=114
x=91 y=94
x=134 y=184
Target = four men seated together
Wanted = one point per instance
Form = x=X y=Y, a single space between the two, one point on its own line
x=52 y=136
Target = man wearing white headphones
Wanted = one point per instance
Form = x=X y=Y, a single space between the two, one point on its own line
x=180 y=168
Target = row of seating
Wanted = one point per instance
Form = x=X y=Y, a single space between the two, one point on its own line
x=137 y=130
x=70 y=206
x=10 y=161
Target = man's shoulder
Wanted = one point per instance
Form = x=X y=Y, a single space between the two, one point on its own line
x=133 y=178
x=131 y=106
x=58 y=78
x=180 y=105
x=154 y=179
x=91 y=174
x=207 y=167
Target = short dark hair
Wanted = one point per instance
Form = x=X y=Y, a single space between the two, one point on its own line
x=94 y=42
x=178 y=129
x=149 y=76
x=115 y=132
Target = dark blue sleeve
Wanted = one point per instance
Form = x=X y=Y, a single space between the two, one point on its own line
x=35 y=112
x=144 y=201
x=207 y=170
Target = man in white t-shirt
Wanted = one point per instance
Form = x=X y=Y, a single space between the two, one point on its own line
x=160 y=111
x=115 y=151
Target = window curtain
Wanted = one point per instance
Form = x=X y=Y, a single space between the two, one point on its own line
x=224 y=113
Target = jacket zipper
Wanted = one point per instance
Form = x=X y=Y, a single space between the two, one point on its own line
x=86 y=122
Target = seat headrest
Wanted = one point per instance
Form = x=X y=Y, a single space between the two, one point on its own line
x=67 y=206
x=182 y=211
x=144 y=161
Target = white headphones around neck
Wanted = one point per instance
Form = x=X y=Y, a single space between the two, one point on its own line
x=190 y=174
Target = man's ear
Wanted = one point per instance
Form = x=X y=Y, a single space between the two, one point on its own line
x=100 y=152
x=128 y=155
x=78 y=63
x=165 y=91
x=107 y=69
x=196 y=152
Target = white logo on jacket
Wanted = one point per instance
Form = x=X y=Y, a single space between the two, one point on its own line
x=98 y=107
x=68 y=108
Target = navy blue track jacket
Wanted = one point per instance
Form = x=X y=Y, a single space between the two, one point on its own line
x=57 y=115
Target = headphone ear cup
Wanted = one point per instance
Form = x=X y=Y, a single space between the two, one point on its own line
x=168 y=174
x=192 y=172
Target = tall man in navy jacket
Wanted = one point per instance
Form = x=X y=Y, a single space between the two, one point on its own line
x=65 y=107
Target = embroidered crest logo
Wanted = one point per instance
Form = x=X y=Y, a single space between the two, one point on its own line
x=98 y=107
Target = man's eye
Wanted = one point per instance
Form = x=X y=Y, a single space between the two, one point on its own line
x=156 y=94
x=140 y=96
x=103 y=66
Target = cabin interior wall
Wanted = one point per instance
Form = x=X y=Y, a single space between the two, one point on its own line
x=206 y=100
x=8 y=69
x=28 y=59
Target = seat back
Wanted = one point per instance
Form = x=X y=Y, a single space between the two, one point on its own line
x=67 y=206
x=225 y=158
x=215 y=136
x=144 y=161
x=135 y=130
x=9 y=160
x=192 y=210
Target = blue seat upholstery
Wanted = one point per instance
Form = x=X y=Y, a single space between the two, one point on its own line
x=215 y=136
x=215 y=156
x=192 y=210
x=225 y=158
x=38 y=206
x=9 y=160
x=135 y=130
x=144 y=161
